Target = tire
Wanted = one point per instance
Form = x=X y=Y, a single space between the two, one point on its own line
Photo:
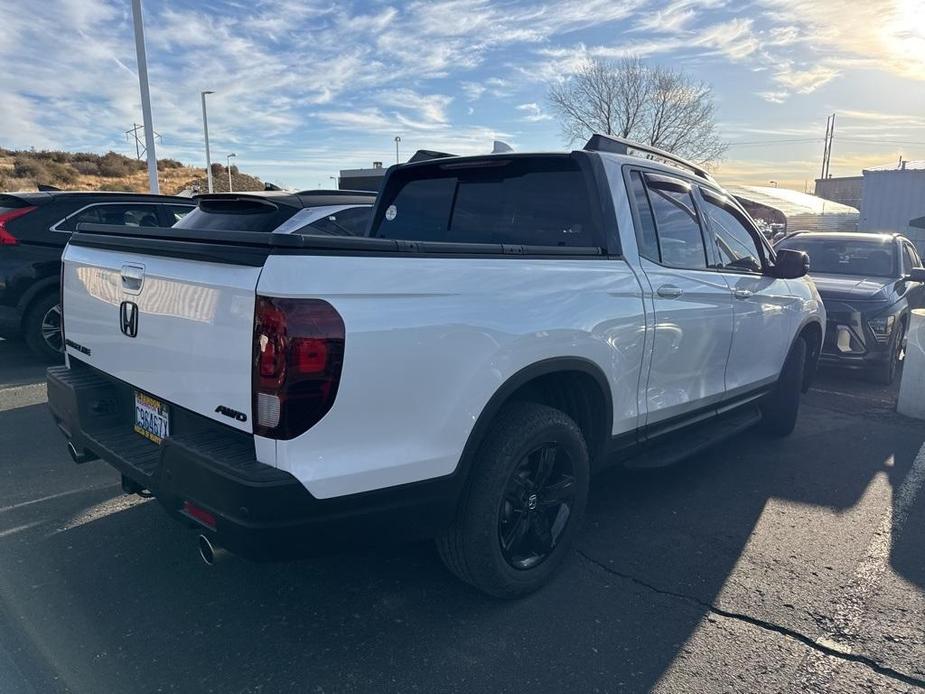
x=42 y=317
x=511 y=532
x=781 y=407
x=885 y=374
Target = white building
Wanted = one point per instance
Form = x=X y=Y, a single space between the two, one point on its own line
x=791 y=210
x=893 y=197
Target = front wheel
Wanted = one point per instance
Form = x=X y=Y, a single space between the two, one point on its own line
x=524 y=505
x=781 y=407
x=885 y=374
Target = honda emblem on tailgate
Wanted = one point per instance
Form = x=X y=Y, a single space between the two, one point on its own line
x=128 y=318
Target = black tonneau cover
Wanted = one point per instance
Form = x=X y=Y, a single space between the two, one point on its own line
x=253 y=247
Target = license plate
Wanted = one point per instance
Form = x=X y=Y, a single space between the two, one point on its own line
x=152 y=420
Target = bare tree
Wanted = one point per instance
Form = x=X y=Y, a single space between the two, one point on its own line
x=657 y=106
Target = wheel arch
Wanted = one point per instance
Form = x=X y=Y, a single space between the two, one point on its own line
x=575 y=385
x=39 y=289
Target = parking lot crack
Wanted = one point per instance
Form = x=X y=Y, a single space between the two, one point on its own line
x=822 y=646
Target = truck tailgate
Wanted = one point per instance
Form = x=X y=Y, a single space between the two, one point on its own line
x=177 y=329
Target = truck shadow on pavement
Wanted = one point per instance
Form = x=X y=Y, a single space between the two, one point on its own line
x=114 y=595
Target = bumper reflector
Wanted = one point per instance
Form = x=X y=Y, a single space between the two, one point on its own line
x=199 y=514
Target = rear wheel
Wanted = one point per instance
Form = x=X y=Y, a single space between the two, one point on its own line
x=525 y=502
x=781 y=407
x=42 y=327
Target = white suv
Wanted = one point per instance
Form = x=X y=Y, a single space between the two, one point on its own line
x=510 y=324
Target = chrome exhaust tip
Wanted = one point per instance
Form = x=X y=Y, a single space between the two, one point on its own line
x=82 y=456
x=209 y=553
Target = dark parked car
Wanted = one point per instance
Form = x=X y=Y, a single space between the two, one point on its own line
x=869 y=283
x=328 y=212
x=34 y=228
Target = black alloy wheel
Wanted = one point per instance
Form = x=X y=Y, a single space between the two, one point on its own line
x=536 y=506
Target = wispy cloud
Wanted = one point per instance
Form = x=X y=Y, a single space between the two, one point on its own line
x=533 y=113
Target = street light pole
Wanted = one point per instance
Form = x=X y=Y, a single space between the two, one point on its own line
x=397 y=140
x=228 y=166
x=138 y=21
x=336 y=182
x=205 y=130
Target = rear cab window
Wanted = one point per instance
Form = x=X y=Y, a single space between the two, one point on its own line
x=530 y=201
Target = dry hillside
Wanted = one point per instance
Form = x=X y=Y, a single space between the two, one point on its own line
x=26 y=170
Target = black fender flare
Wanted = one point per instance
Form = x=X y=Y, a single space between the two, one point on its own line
x=504 y=392
x=814 y=350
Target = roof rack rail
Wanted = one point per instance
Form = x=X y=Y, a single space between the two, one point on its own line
x=618 y=145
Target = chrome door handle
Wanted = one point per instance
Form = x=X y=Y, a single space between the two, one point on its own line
x=669 y=291
x=741 y=294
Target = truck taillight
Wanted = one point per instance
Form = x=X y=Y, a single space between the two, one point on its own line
x=298 y=355
x=6 y=238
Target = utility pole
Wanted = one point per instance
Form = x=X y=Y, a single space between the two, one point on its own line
x=827 y=150
x=138 y=20
x=205 y=130
x=228 y=166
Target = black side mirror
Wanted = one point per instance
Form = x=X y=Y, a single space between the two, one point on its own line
x=790 y=264
x=916 y=274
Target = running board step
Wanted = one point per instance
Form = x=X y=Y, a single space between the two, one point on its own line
x=674 y=447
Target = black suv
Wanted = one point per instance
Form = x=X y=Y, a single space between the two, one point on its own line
x=34 y=228
x=869 y=283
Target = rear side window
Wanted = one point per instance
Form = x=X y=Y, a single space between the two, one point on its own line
x=680 y=239
x=646 y=236
x=535 y=201
x=123 y=214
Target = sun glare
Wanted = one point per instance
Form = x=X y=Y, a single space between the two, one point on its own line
x=903 y=37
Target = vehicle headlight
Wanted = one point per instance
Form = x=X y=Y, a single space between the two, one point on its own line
x=882 y=327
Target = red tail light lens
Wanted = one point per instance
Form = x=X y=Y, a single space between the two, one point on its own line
x=6 y=238
x=298 y=355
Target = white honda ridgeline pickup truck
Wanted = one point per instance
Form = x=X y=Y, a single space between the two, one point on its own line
x=510 y=324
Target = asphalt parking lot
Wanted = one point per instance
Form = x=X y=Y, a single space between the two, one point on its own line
x=762 y=565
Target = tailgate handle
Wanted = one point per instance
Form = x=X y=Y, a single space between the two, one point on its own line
x=133 y=276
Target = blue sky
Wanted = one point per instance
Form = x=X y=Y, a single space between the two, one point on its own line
x=306 y=88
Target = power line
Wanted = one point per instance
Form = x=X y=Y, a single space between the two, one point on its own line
x=773 y=142
x=760 y=143
x=880 y=142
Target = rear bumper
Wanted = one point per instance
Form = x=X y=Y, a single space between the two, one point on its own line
x=261 y=512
